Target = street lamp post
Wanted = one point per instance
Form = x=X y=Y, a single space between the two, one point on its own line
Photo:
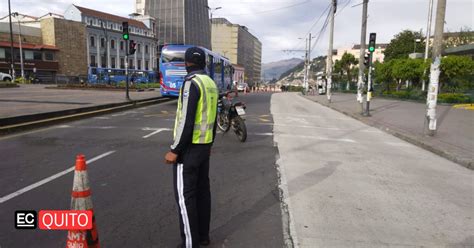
x=211 y=10
x=11 y=41
x=106 y=55
x=416 y=41
x=21 y=49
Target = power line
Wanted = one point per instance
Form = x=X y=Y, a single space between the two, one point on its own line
x=314 y=24
x=272 y=10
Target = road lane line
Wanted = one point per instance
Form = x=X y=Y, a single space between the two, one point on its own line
x=49 y=179
x=157 y=130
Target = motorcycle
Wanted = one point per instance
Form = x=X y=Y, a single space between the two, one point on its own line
x=230 y=114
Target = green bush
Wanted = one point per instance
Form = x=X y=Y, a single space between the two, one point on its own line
x=454 y=98
x=295 y=88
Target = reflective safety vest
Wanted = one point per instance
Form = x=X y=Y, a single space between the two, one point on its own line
x=206 y=110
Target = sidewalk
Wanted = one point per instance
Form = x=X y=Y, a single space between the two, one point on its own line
x=347 y=184
x=455 y=136
x=35 y=99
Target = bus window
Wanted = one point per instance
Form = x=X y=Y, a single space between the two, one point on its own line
x=218 y=72
x=169 y=56
x=210 y=63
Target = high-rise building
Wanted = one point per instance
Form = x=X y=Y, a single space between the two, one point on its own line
x=179 y=21
x=240 y=46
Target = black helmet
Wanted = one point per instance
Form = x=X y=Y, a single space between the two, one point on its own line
x=196 y=56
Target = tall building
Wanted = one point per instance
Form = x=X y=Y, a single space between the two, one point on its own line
x=240 y=46
x=179 y=22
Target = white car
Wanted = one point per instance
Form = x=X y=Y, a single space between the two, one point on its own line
x=242 y=87
x=5 y=77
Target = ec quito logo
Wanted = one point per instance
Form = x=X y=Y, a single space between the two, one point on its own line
x=54 y=219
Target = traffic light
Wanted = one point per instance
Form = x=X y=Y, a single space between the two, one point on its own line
x=125 y=34
x=132 y=47
x=367 y=59
x=372 y=42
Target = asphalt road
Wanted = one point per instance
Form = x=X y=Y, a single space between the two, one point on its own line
x=131 y=186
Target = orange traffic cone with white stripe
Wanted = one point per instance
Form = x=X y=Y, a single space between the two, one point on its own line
x=81 y=200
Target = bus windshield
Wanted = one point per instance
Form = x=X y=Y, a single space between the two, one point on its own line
x=169 y=56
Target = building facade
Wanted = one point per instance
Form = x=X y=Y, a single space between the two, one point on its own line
x=378 y=54
x=240 y=46
x=103 y=41
x=179 y=22
x=39 y=57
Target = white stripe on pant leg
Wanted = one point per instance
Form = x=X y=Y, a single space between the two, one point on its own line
x=182 y=205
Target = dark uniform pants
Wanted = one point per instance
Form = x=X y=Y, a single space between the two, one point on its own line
x=192 y=192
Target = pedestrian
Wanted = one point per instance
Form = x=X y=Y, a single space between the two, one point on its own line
x=194 y=133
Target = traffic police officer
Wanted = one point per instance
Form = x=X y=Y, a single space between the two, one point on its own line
x=194 y=133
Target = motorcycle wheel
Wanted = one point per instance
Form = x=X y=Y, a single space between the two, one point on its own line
x=240 y=129
x=223 y=122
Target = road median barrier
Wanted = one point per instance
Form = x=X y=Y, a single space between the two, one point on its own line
x=20 y=123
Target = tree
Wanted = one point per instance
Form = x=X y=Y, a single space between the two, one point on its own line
x=383 y=74
x=456 y=73
x=344 y=67
x=403 y=44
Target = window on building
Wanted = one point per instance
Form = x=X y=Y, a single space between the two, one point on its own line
x=112 y=44
x=90 y=21
x=146 y=49
x=147 y=65
x=92 y=41
x=122 y=63
x=130 y=64
x=37 y=55
x=2 y=53
x=139 y=64
x=103 y=61
x=102 y=42
x=121 y=45
x=49 y=56
x=139 y=48
x=28 y=55
x=93 y=62
x=113 y=63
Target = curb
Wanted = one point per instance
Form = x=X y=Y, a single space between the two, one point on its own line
x=413 y=140
x=19 y=123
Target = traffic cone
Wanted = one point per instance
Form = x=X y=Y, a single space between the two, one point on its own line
x=81 y=200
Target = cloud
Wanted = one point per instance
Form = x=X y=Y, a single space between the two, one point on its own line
x=279 y=23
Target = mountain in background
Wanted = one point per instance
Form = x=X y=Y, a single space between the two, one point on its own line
x=295 y=75
x=275 y=69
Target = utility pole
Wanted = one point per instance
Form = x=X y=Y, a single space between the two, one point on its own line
x=21 y=49
x=309 y=64
x=331 y=40
x=363 y=33
x=432 y=98
x=305 y=65
x=427 y=40
x=12 y=68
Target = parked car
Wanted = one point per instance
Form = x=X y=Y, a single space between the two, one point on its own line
x=243 y=86
x=5 y=77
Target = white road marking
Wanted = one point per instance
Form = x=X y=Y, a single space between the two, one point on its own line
x=64 y=126
x=262 y=134
x=156 y=130
x=102 y=118
x=49 y=179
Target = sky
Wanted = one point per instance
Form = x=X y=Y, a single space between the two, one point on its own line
x=279 y=24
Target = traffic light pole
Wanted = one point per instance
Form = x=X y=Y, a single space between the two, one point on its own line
x=369 y=87
x=126 y=71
